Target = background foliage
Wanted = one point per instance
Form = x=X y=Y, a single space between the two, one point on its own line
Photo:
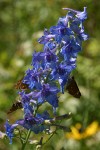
x=21 y=24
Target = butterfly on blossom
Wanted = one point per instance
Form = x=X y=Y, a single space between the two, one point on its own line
x=72 y=88
x=15 y=106
x=20 y=85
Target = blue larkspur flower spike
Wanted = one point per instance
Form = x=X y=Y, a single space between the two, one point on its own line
x=50 y=70
x=61 y=45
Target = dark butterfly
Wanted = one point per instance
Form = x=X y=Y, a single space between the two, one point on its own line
x=15 y=106
x=20 y=85
x=72 y=88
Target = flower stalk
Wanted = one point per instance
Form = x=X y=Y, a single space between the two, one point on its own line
x=27 y=137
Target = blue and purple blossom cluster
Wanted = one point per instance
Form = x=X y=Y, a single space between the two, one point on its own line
x=51 y=69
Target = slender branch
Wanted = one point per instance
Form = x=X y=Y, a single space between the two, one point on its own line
x=61 y=127
x=53 y=120
x=66 y=116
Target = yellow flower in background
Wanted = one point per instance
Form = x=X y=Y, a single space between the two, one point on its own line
x=74 y=134
x=89 y=131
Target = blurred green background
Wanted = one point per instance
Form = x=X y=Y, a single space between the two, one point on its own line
x=21 y=23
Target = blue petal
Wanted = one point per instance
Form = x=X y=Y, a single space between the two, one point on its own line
x=53 y=100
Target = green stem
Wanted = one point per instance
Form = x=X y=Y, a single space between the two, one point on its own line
x=20 y=137
x=49 y=138
x=27 y=137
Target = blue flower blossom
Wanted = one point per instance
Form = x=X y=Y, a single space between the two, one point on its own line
x=50 y=46
x=81 y=15
x=10 y=130
x=49 y=94
x=61 y=33
x=70 y=50
x=32 y=78
x=61 y=74
x=35 y=124
x=47 y=37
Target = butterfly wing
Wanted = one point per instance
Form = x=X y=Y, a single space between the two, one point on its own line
x=15 y=106
x=72 y=88
x=20 y=85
